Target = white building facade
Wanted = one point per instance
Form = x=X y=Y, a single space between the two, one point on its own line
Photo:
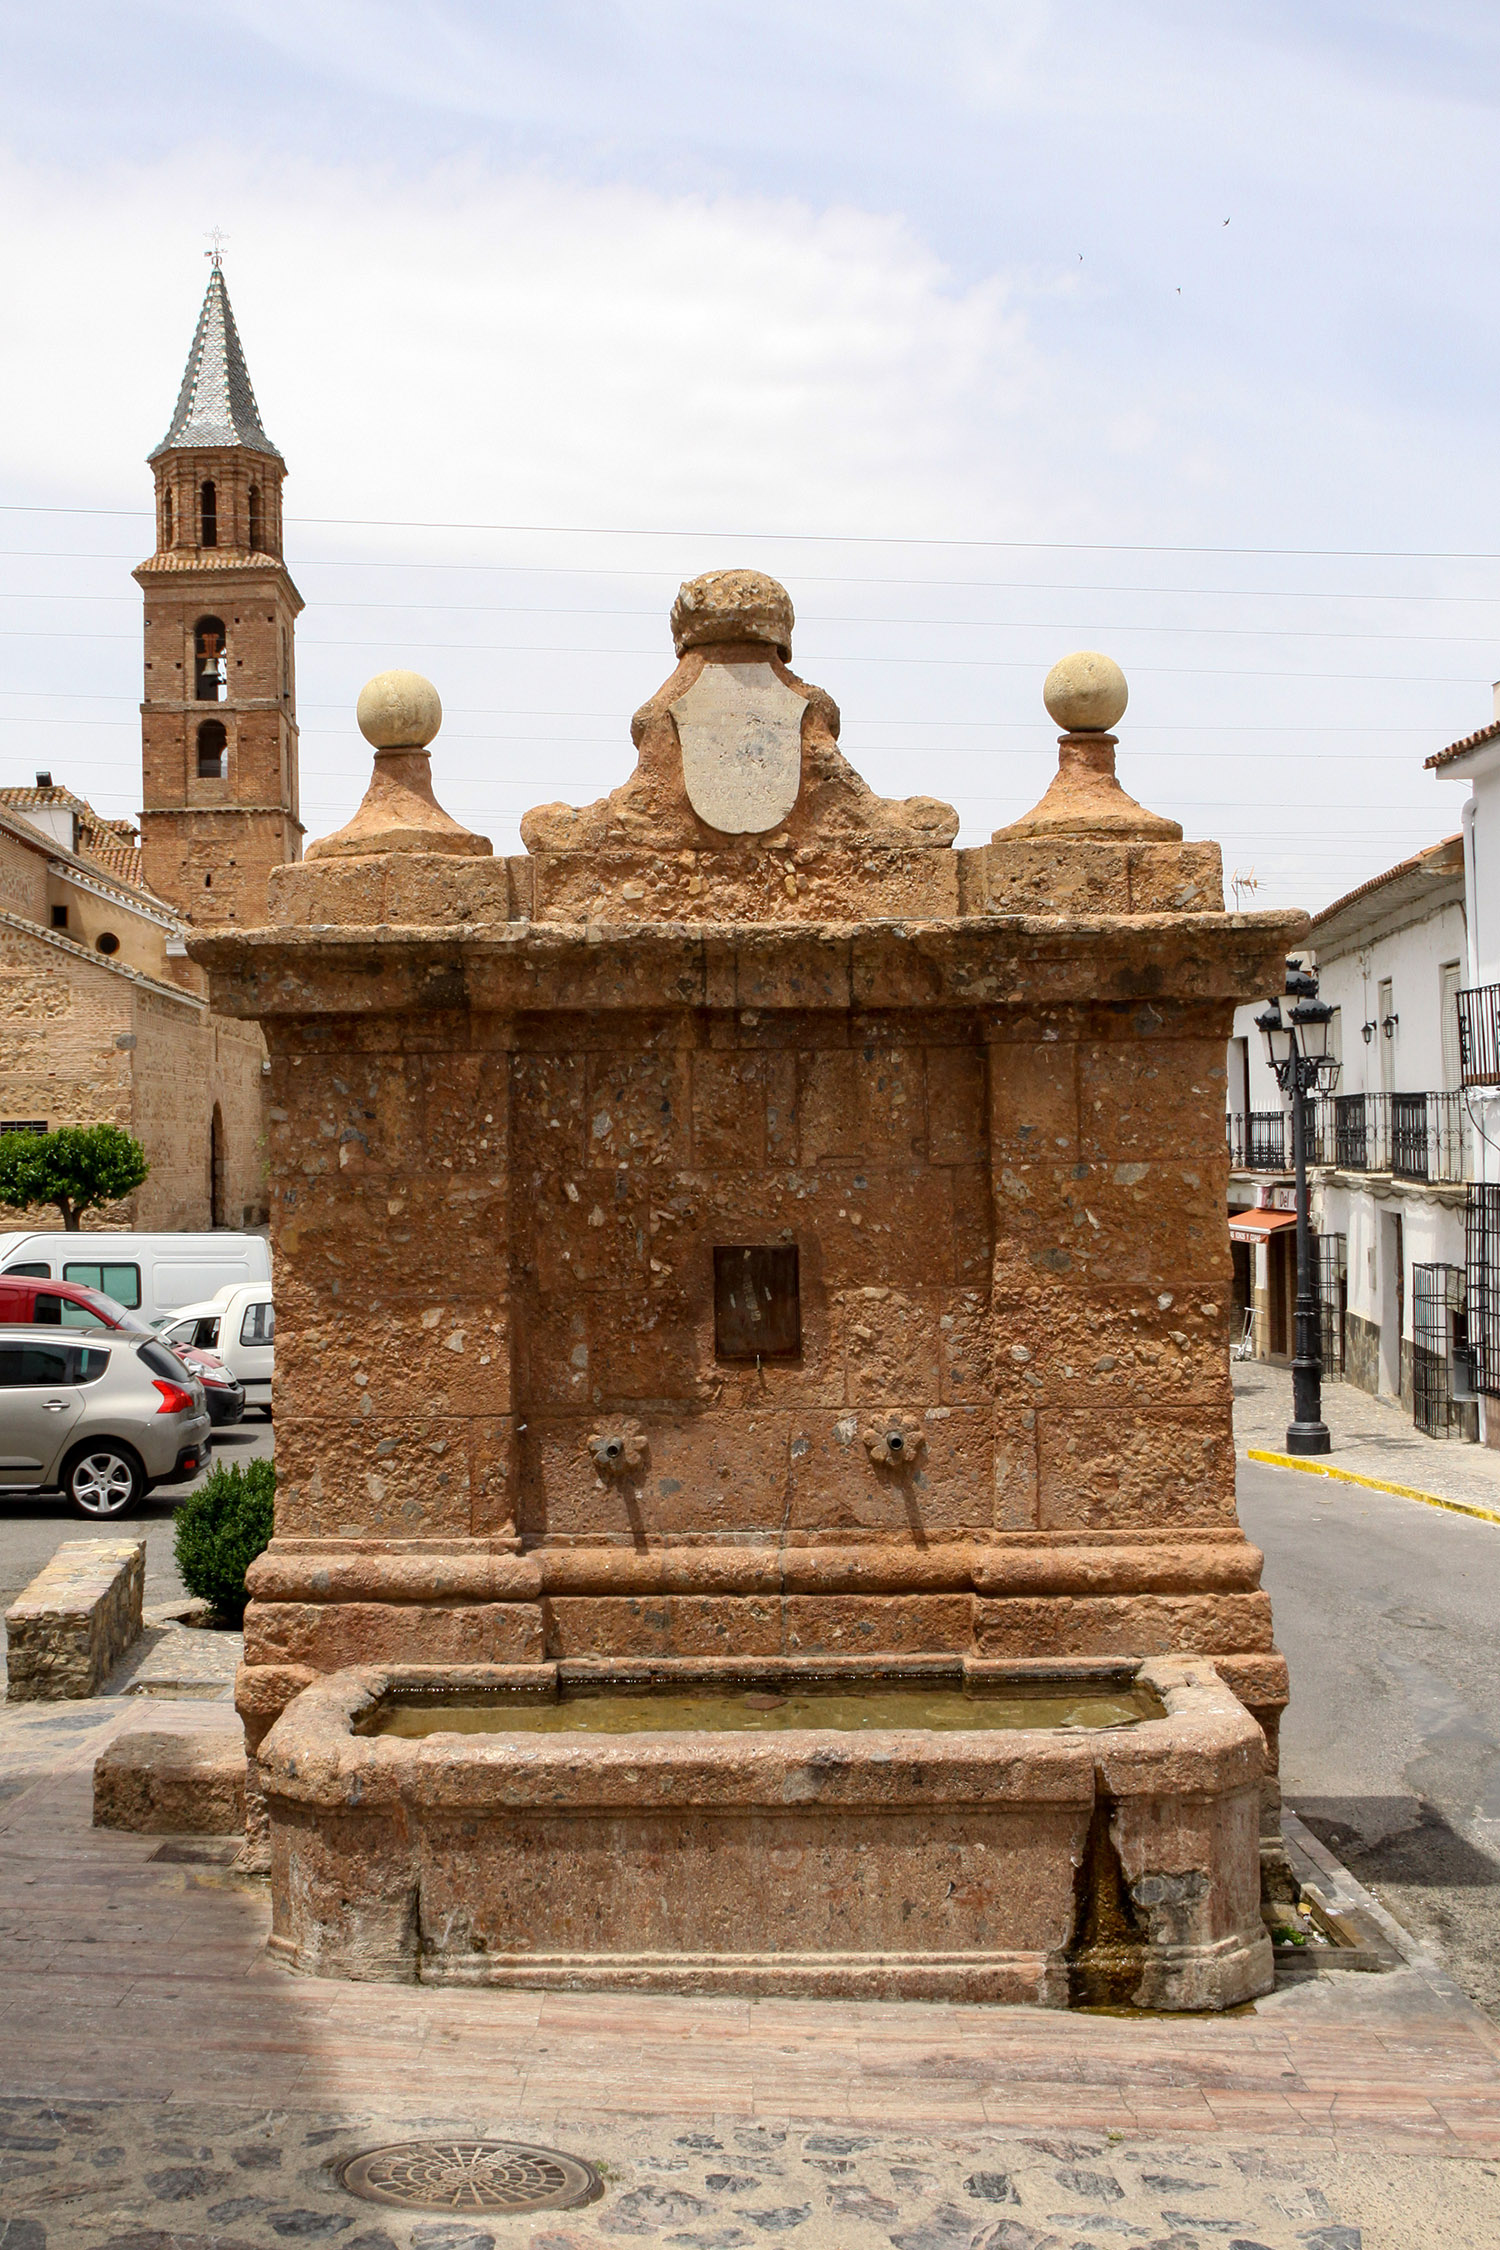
x=1476 y=761
x=1390 y=1152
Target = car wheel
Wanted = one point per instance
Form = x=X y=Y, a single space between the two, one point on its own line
x=103 y=1480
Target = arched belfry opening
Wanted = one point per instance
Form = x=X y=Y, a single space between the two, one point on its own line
x=210 y=660
x=208 y=513
x=213 y=750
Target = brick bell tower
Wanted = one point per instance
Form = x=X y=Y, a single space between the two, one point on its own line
x=219 y=718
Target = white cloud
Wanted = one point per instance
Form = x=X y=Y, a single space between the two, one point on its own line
x=467 y=346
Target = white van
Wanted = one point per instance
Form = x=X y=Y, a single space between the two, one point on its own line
x=154 y=1275
x=239 y=1324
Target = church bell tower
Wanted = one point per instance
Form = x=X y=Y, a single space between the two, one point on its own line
x=219 y=715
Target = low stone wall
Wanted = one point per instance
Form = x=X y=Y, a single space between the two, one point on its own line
x=171 y=1785
x=75 y=1620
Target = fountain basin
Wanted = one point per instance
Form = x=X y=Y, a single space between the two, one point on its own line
x=1048 y=1833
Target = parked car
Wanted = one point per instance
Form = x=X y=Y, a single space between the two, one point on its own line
x=240 y=1325
x=155 y=1275
x=101 y=1419
x=223 y=1395
x=68 y=1304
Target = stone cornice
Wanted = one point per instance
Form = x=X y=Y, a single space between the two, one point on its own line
x=164 y=573
x=1026 y=963
x=260 y=812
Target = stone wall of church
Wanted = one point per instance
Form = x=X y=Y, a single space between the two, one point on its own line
x=83 y=1044
x=23 y=880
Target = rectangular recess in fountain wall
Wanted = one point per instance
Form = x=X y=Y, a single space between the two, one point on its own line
x=757 y=1301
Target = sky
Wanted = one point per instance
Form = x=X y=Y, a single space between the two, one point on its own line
x=993 y=330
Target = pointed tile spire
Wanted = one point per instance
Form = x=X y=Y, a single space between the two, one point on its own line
x=216 y=405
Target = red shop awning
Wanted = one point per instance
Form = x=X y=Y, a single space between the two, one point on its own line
x=1255 y=1226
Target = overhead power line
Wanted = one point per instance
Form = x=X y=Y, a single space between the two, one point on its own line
x=889 y=624
x=820 y=538
x=942 y=663
x=804 y=577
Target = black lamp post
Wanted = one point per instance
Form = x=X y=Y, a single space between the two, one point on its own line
x=1297 y=1046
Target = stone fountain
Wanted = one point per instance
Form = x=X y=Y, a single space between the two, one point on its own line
x=746 y=1249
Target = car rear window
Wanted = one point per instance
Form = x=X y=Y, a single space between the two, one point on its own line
x=90 y=1363
x=121 y=1282
x=258 y=1325
x=160 y=1360
x=29 y=1366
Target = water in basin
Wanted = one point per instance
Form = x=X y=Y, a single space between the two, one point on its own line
x=843 y=1705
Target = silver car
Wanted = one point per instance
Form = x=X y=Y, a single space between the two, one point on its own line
x=101 y=1419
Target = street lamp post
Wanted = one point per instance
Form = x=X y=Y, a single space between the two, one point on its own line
x=1298 y=1049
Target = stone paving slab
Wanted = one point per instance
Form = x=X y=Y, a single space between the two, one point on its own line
x=176 y=1660
x=163 y=2086
x=1372 y=1437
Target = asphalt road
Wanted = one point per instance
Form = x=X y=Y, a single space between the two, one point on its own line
x=1389 y=1615
x=31 y=1531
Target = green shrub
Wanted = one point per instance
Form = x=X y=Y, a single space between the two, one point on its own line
x=221 y=1528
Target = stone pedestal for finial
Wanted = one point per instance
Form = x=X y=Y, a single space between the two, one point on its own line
x=959 y=1115
x=398 y=859
x=1088 y=846
x=399 y=714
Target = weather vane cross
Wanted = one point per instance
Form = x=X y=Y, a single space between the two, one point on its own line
x=218 y=238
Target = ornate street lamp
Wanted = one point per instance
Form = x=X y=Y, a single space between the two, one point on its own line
x=1297 y=1047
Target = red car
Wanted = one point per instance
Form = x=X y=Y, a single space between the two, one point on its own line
x=68 y=1304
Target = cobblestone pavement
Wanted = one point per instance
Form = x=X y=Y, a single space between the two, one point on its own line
x=1372 y=1437
x=128 y=2176
x=166 y=2087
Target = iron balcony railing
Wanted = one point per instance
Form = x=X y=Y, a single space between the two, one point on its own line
x=1479 y=1035
x=1259 y=1140
x=1409 y=1136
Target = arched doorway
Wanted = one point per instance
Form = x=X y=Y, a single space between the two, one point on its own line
x=217 y=1197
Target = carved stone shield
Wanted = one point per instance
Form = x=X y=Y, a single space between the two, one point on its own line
x=741 y=733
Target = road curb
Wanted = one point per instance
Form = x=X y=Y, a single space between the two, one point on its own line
x=1318 y=1468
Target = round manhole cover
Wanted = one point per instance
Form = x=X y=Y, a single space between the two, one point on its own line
x=470 y=2176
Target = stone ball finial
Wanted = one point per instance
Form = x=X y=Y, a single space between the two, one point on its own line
x=398 y=711
x=732 y=605
x=1086 y=692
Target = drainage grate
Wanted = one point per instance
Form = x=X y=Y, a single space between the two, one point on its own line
x=470 y=2176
